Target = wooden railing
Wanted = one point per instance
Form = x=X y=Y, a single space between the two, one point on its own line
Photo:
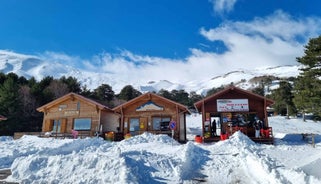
x=58 y=135
x=18 y=135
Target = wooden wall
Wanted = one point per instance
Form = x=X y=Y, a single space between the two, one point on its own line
x=256 y=105
x=110 y=121
x=67 y=111
x=145 y=117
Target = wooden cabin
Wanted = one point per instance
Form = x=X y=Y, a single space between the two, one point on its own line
x=153 y=113
x=234 y=109
x=75 y=112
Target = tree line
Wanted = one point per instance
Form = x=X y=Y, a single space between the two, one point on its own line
x=20 y=97
x=302 y=94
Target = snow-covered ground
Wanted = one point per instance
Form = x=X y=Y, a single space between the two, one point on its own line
x=158 y=159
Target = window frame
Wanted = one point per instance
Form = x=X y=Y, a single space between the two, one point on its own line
x=83 y=127
x=133 y=129
x=56 y=125
x=158 y=123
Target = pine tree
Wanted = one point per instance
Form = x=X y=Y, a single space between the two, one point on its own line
x=10 y=107
x=104 y=92
x=180 y=96
x=86 y=92
x=214 y=90
x=38 y=90
x=72 y=83
x=193 y=98
x=165 y=93
x=128 y=93
x=307 y=96
x=283 y=98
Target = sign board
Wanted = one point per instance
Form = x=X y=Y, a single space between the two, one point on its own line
x=207 y=122
x=141 y=126
x=232 y=105
x=71 y=112
x=172 y=125
x=150 y=106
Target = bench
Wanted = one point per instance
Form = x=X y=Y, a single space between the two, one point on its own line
x=309 y=137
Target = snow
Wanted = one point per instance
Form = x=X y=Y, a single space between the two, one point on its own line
x=149 y=158
x=40 y=66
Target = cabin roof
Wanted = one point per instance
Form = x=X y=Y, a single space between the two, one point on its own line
x=72 y=96
x=149 y=96
x=229 y=89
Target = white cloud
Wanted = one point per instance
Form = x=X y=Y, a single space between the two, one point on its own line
x=61 y=58
x=264 y=41
x=268 y=41
x=128 y=66
x=223 y=6
x=279 y=24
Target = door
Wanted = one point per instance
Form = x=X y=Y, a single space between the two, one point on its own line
x=143 y=124
x=134 y=126
x=56 y=126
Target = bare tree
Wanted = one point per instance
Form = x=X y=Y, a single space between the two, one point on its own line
x=57 y=88
x=28 y=102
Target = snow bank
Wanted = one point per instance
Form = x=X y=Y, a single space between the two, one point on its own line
x=149 y=158
x=6 y=138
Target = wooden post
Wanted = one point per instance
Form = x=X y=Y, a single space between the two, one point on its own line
x=178 y=127
x=265 y=115
x=203 y=116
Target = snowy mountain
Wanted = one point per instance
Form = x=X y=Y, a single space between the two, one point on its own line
x=38 y=67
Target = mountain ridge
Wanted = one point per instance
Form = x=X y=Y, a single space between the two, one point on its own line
x=34 y=66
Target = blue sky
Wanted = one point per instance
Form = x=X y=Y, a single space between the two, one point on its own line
x=208 y=36
x=84 y=28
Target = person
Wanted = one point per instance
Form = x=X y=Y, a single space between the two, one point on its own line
x=213 y=127
x=74 y=133
x=257 y=127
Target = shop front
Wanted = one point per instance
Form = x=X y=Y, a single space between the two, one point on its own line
x=73 y=112
x=234 y=109
x=154 y=114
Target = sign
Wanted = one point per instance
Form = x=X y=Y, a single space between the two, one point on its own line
x=71 y=112
x=141 y=126
x=232 y=105
x=149 y=106
x=207 y=122
x=172 y=125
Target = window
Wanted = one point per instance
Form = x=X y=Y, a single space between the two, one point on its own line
x=78 y=106
x=164 y=125
x=56 y=127
x=161 y=123
x=82 y=124
x=156 y=123
x=134 y=126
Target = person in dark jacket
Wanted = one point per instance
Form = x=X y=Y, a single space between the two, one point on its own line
x=213 y=127
x=257 y=126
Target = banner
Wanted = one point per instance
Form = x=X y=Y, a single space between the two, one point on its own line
x=232 y=105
